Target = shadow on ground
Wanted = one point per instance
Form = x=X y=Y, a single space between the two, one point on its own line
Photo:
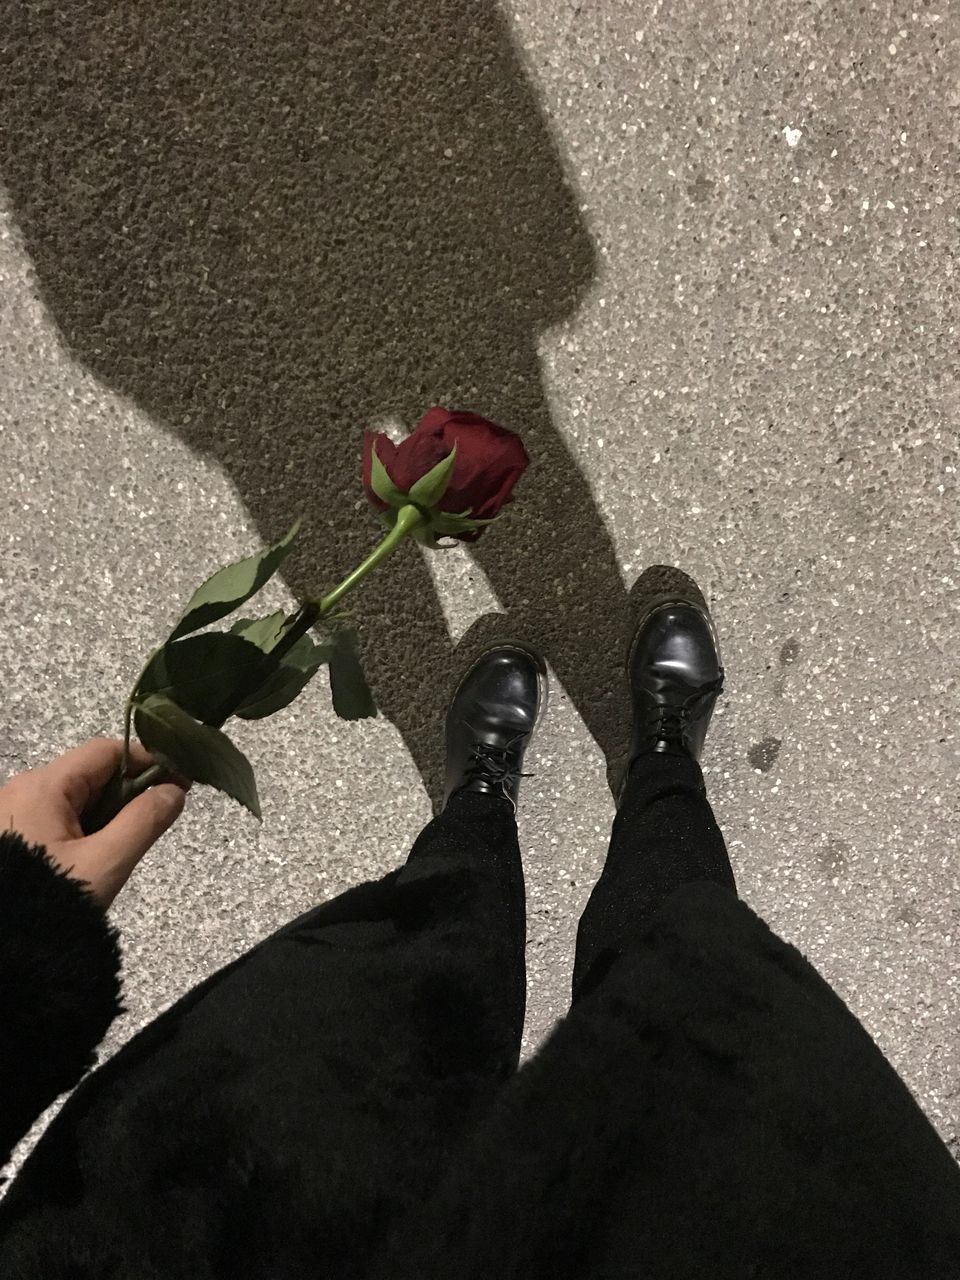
x=274 y=225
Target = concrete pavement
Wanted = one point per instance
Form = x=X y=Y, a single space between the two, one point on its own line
x=703 y=255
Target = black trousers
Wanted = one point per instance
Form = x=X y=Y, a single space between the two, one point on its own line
x=664 y=836
x=284 y=1117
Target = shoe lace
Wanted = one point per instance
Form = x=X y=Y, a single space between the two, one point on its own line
x=670 y=721
x=496 y=763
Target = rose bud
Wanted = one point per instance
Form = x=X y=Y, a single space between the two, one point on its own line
x=457 y=468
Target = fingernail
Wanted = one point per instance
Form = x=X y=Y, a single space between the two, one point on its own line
x=172 y=796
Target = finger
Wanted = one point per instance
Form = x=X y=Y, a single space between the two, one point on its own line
x=140 y=759
x=107 y=858
x=82 y=773
x=35 y=807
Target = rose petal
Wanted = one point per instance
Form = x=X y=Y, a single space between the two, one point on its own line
x=490 y=460
x=435 y=417
x=417 y=455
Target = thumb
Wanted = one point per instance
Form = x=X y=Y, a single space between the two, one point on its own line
x=107 y=858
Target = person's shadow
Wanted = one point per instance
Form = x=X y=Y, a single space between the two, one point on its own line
x=275 y=224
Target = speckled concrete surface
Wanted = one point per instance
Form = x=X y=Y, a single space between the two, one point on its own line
x=703 y=256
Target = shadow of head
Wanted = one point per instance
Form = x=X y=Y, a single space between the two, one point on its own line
x=284 y=220
x=274 y=225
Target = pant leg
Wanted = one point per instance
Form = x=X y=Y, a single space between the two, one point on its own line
x=664 y=836
x=710 y=1110
x=282 y=1117
x=483 y=829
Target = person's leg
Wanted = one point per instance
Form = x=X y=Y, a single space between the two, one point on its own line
x=281 y=1118
x=664 y=836
x=482 y=830
x=664 y=833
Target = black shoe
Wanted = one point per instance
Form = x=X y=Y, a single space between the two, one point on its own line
x=675 y=677
x=491 y=718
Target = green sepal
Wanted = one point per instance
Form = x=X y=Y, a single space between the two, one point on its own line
x=429 y=489
x=383 y=486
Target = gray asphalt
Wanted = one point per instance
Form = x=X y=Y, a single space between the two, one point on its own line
x=704 y=257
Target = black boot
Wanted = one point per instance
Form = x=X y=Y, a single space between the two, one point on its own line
x=675 y=676
x=491 y=718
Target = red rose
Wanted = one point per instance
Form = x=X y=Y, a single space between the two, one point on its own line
x=489 y=461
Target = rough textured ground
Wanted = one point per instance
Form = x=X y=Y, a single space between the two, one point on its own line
x=703 y=255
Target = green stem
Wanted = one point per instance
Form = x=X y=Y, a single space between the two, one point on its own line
x=307 y=616
x=124 y=789
x=311 y=611
x=128 y=716
x=127 y=719
x=407 y=519
x=299 y=624
x=118 y=792
x=136 y=786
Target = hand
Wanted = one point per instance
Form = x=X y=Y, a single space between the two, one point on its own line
x=44 y=805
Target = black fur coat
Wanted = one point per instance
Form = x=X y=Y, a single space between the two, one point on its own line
x=318 y=1109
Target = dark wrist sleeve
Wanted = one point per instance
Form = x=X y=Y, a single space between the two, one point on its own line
x=59 y=984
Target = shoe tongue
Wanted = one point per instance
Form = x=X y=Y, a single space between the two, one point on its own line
x=486 y=721
x=668 y=687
